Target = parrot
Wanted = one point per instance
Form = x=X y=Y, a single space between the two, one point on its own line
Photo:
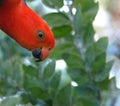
x=27 y=28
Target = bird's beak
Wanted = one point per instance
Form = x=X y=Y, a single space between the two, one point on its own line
x=41 y=54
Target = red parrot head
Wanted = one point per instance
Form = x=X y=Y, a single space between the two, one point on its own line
x=27 y=28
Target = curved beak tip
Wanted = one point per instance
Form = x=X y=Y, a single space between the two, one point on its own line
x=40 y=54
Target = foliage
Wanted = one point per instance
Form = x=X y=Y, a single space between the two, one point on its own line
x=23 y=81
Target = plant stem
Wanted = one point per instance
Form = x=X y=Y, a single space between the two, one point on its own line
x=96 y=90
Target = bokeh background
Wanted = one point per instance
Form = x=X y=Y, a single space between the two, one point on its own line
x=75 y=74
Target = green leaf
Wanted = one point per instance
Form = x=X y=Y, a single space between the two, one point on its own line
x=88 y=34
x=73 y=60
x=33 y=83
x=55 y=81
x=76 y=2
x=77 y=20
x=62 y=31
x=84 y=96
x=31 y=78
x=53 y=3
x=57 y=19
x=37 y=92
x=11 y=77
x=54 y=84
x=27 y=98
x=86 y=5
x=89 y=58
x=104 y=73
x=99 y=63
x=104 y=84
x=86 y=93
x=63 y=48
x=99 y=66
x=30 y=70
x=101 y=45
x=49 y=70
x=65 y=100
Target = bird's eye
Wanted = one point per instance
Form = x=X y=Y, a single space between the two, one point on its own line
x=41 y=34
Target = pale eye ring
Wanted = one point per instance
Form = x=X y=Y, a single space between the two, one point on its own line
x=41 y=34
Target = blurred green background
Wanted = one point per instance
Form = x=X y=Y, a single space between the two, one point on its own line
x=75 y=74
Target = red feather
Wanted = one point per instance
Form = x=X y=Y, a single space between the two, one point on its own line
x=24 y=25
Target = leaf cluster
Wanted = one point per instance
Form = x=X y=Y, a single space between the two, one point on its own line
x=40 y=84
